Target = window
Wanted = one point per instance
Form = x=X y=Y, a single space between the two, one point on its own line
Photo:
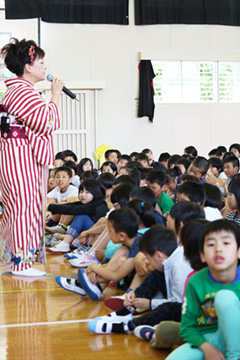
x=196 y=82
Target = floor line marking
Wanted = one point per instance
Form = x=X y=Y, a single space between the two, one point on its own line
x=41 y=277
x=27 y=290
x=45 y=323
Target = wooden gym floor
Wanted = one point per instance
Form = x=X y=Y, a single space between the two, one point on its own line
x=40 y=320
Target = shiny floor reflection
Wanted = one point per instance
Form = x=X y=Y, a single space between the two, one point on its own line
x=38 y=321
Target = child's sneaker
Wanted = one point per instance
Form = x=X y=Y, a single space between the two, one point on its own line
x=145 y=332
x=59 y=228
x=115 y=317
x=61 y=248
x=85 y=260
x=91 y=289
x=99 y=326
x=70 y=285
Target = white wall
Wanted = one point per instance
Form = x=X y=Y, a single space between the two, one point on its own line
x=110 y=53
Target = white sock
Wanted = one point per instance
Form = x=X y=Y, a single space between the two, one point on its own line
x=62 y=245
x=29 y=272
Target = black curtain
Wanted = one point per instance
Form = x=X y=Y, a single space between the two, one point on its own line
x=221 y=12
x=70 y=11
x=146 y=104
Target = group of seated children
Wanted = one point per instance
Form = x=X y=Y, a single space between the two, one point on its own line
x=164 y=232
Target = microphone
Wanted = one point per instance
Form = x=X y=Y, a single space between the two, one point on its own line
x=64 y=89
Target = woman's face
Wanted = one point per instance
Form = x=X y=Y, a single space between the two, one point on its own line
x=38 y=70
x=87 y=166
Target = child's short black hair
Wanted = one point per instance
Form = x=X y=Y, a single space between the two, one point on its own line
x=125 y=157
x=172 y=174
x=107 y=180
x=234 y=188
x=144 y=193
x=144 y=210
x=158 y=238
x=222 y=148
x=68 y=152
x=71 y=164
x=125 y=220
x=227 y=154
x=217 y=163
x=219 y=225
x=125 y=179
x=146 y=151
x=173 y=159
x=215 y=152
x=64 y=168
x=185 y=162
x=187 y=177
x=156 y=176
x=142 y=156
x=121 y=194
x=184 y=211
x=110 y=151
x=133 y=173
x=233 y=160
x=143 y=172
x=133 y=154
x=190 y=239
x=111 y=164
x=213 y=196
x=193 y=190
x=235 y=146
x=59 y=155
x=90 y=174
x=201 y=164
x=94 y=187
x=164 y=157
x=191 y=150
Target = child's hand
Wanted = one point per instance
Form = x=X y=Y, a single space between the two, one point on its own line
x=141 y=303
x=92 y=277
x=129 y=298
x=142 y=268
x=100 y=253
x=48 y=216
x=210 y=352
x=62 y=201
x=83 y=239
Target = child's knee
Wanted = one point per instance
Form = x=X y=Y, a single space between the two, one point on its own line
x=224 y=299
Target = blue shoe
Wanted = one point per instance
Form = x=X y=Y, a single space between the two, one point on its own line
x=92 y=290
x=70 y=285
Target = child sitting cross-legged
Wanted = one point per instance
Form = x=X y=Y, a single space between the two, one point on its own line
x=159 y=245
x=87 y=211
x=166 y=333
x=123 y=227
x=210 y=322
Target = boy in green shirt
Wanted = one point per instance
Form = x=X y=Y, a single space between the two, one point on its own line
x=156 y=180
x=211 y=308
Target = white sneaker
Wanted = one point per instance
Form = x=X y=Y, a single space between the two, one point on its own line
x=70 y=285
x=61 y=248
x=84 y=260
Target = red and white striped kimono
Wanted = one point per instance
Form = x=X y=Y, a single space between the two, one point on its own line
x=23 y=174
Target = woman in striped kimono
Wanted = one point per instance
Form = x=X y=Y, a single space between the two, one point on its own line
x=26 y=151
